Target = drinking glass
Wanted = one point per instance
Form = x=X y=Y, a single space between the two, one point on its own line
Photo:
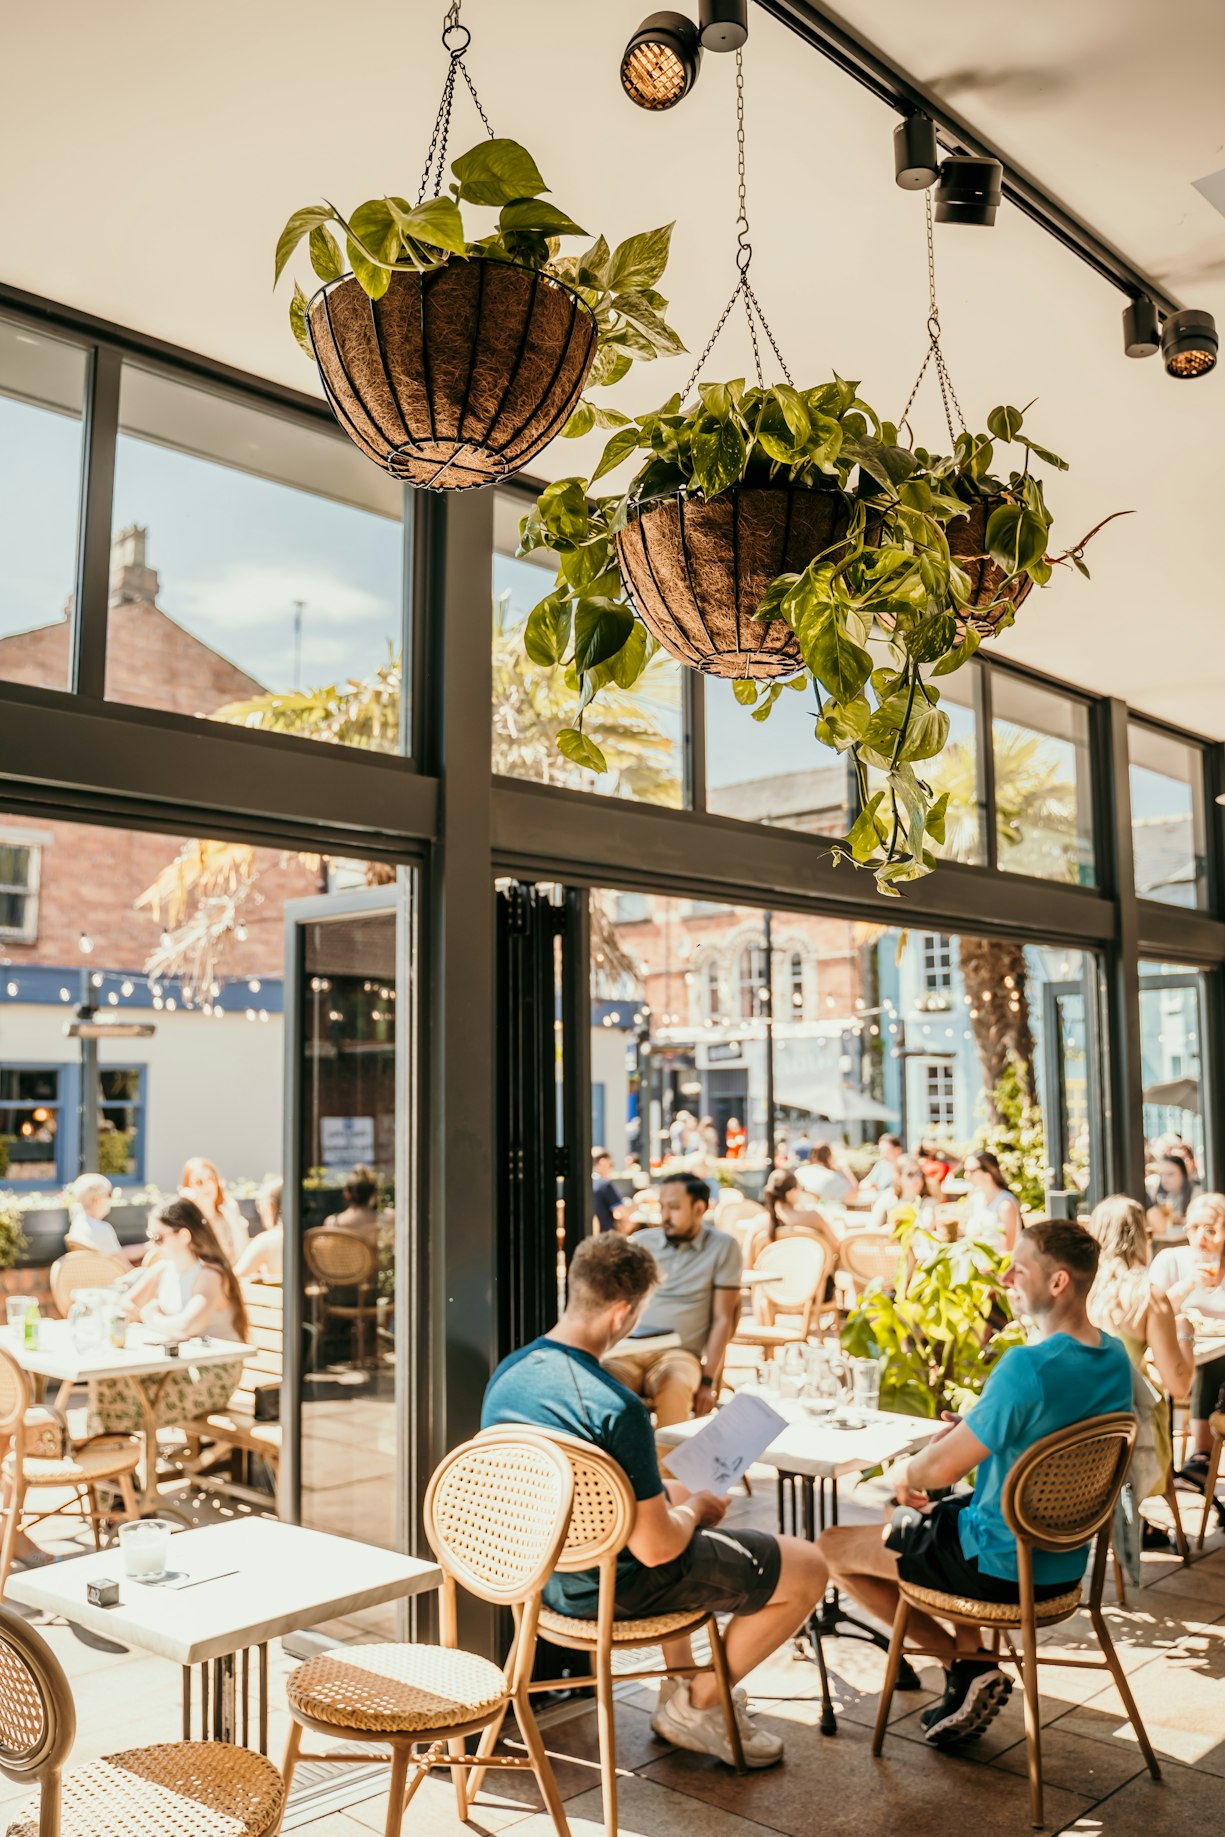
x=865 y=1390
x=15 y=1307
x=791 y=1380
x=145 y=1544
x=823 y=1383
x=84 y=1320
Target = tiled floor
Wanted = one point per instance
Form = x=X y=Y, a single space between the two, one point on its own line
x=1171 y=1636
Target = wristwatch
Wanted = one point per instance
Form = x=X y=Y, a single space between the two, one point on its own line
x=705 y=1379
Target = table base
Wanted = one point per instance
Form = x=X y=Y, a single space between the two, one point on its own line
x=805 y=1509
x=225 y=1698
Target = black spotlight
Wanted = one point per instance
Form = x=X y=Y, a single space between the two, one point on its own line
x=969 y=190
x=1189 y=343
x=1141 y=338
x=724 y=24
x=916 y=156
x=661 y=61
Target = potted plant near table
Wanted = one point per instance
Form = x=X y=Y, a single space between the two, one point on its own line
x=784 y=538
x=12 y=1237
x=451 y=356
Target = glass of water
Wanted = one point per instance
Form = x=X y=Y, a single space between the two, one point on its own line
x=865 y=1390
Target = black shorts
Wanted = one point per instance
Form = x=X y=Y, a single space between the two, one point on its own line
x=721 y=1571
x=932 y=1557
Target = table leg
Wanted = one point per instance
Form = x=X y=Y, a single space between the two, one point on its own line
x=187 y=1703
x=246 y=1696
x=263 y=1698
x=225 y=1724
x=204 y=1702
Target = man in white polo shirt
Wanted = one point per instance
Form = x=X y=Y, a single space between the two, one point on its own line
x=683 y=1335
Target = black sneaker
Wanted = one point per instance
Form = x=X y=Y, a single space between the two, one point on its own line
x=974 y=1695
x=1194 y=1472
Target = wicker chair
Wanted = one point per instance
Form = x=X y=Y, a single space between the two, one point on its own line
x=83 y=1269
x=41 y=1454
x=1217 y=1424
x=803 y=1265
x=870 y=1256
x=496 y=1518
x=177 y=1789
x=601 y=1522
x=1057 y=1496
x=341 y=1260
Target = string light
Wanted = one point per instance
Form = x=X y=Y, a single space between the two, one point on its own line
x=85 y=944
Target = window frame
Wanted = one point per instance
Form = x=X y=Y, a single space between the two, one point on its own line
x=33 y=841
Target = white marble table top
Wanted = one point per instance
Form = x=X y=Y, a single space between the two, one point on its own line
x=811 y=1446
x=1209 y=1346
x=58 y=1357
x=253 y=1579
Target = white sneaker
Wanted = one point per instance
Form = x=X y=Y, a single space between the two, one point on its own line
x=703 y=1731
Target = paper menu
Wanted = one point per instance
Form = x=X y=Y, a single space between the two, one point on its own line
x=718 y=1456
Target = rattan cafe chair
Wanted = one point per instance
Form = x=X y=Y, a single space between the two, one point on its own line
x=1057 y=1496
x=41 y=1455
x=1217 y=1424
x=601 y=1522
x=496 y=1518
x=795 y=1304
x=78 y=1269
x=870 y=1256
x=343 y=1262
x=176 y=1789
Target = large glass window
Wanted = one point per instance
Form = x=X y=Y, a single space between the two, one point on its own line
x=42 y=395
x=1043 y=801
x=958 y=770
x=256 y=569
x=773 y=771
x=1167 y=817
x=1171 y=1052
x=639 y=731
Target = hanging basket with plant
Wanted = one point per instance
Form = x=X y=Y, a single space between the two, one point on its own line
x=776 y=532
x=451 y=360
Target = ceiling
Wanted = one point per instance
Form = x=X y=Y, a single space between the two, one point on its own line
x=148 y=182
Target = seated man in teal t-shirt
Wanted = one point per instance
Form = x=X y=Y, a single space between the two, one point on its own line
x=676 y=1559
x=962 y=1545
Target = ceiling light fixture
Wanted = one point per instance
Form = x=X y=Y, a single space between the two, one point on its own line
x=916 y=157
x=662 y=59
x=969 y=190
x=1141 y=332
x=1189 y=343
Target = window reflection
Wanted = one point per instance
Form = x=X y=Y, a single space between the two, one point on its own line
x=1043 y=807
x=1171 y=1036
x=1167 y=817
x=773 y=771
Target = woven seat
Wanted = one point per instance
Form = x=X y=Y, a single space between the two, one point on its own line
x=625 y=1632
x=495 y=1517
x=802 y=1265
x=766 y=1333
x=85 y=1466
x=185 y=1789
x=396 y=1690
x=991 y=1613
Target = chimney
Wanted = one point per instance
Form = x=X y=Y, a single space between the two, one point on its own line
x=131 y=579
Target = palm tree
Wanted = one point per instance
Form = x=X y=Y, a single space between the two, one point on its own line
x=201 y=896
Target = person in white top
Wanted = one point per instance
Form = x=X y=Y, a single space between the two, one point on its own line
x=993 y=1216
x=1192 y=1277
x=263 y=1259
x=826 y=1181
x=89 y=1201
x=202 y=1184
x=191 y=1291
x=881 y=1174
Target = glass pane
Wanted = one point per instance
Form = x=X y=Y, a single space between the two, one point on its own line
x=1043 y=801
x=1171 y=1036
x=1167 y=817
x=253 y=557
x=639 y=731
x=957 y=771
x=773 y=771
x=348 y=1137
x=42 y=394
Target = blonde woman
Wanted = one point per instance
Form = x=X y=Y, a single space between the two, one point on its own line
x=89 y=1201
x=1125 y=1301
x=1192 y=1277
x=203 y=1185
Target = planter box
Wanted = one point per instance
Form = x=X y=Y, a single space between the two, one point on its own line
x=45 y=1230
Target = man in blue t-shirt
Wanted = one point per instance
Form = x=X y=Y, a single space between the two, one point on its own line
x=676 y=1560
x=962 y=1545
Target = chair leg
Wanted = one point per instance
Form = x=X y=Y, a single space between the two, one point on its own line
x=292 y=1747
x=401 y=1754
x=718 y=1659
x=1214 y=1467
x=1120 y=1587
x=542 y=1767
x=12 y=1524
x=1180 y=1536
x=893 y=1664
x=459 y=1779
x=91 y=1495
x=1033 y=1720
x=485 y=1746
x=1124 y=1689
x=607 y=1727
x=127 y=1492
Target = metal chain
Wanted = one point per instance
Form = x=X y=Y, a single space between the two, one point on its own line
x=744 y=255
x=935 y=354
x=456 y=37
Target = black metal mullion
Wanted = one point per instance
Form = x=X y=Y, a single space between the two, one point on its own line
x=87 y=672
x=1124 y=1085
x=693 y=722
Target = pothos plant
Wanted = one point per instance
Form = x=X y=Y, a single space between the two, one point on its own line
x=878 y=615
x=386 y=236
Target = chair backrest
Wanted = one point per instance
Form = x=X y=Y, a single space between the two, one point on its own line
x=802 y=1264
x=265 y=1367
x=340 y=1257
x=496 y=1513
x=870 y=1256
x=736 y=1214
x=14 y=1394
x=83 y=1269
x=37 y=1720
x=603 y=1509
x=1062 y=1491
